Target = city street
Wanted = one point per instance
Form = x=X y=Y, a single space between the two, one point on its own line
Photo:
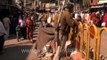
x=53 y=29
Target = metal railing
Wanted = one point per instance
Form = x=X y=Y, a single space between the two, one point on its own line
x=99 y=42
x=88 y=39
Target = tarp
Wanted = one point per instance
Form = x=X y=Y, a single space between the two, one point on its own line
x=44 y=36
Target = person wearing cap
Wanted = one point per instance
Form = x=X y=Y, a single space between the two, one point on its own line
x=66 y=22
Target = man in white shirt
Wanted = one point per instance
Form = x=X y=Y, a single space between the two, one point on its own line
x=2 y=33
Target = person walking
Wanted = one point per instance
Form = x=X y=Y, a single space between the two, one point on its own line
x=22 y=27
x=63 y=29
x=29 y=28
x=18 y=32
x=2 y=34
x=66 y=22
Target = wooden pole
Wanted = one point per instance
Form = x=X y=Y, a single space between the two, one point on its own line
x=57 y=55
x=24 y=3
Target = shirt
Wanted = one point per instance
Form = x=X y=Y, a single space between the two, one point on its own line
x=2 y=29
x=22 y=23
x=105 y=19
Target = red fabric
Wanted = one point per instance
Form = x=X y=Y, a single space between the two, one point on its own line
x=29 y=25
x=94 y=18
x=92 y=15
x=29 y=22
x=77 y=45
x=105 y=19
x=53 y=45
x=92 y=32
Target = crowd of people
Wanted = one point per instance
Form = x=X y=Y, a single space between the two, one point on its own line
x=87 y=16
x=25 y=28
x=21 y=26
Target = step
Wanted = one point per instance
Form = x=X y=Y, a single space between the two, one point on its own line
x=36 y=27
x=35 y=38
x=35 y=32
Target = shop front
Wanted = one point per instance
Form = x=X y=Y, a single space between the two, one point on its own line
x=99 y=7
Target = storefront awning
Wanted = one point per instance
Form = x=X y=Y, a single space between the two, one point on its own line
x=97 y=6
x=102 y=1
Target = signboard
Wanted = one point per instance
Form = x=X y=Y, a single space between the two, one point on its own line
x=99 y=5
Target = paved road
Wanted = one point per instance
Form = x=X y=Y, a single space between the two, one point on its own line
x=23 y=50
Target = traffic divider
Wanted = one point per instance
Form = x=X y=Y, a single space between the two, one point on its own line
x=86 y=41
x=98 y=54
x=93 y=35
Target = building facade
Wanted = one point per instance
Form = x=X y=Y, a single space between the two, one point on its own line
x=8 y=2
x=94 y=2
x=8 y=7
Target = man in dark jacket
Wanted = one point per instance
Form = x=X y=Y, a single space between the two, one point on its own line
x=63 y=29
x=66 y=22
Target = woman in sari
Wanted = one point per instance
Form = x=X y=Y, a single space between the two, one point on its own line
x=29 y=26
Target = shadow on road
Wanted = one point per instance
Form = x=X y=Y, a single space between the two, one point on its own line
x=11 y=36
x=16 y=52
